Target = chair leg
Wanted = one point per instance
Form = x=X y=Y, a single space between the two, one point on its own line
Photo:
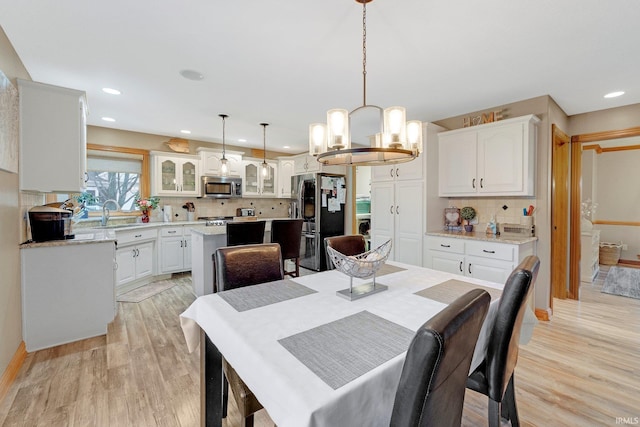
x=225 y=395
x=494 y=413
x=297 y=267
x=509 y=403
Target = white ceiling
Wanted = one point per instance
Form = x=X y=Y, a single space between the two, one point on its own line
x=287 y=62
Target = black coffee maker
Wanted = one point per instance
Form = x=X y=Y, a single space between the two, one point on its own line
x=49 y=223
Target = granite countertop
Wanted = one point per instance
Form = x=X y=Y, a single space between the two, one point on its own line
x=84 y=238
x=513 y=239
x=209 y=230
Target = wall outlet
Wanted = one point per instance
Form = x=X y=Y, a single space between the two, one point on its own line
x=625 y=247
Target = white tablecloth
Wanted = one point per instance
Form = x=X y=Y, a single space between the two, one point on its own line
x=292 y=394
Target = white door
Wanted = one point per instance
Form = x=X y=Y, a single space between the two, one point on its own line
x=171 y=250
x=144 y=260
x=457 y=164
x=126 y=261
x=408 y=222
x=285 y=172
x=488 y=269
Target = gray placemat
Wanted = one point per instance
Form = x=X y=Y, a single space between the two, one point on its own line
x=388 y=269
x=447 y=292
x=341 y=351
x=250 y=297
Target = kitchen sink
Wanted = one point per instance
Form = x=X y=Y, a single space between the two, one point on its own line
x=135 y=224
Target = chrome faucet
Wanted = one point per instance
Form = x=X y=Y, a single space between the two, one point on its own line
x=105 y=211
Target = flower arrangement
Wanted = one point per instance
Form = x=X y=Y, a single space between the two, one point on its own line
x=147 y=204
x=588 y=209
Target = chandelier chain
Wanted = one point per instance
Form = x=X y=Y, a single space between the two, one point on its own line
x=364 y=53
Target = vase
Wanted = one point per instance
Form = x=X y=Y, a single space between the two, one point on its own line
x=145 y=216
x=585 y=224
x=468 y=228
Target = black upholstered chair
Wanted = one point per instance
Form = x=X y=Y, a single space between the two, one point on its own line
x=351 y=244
x=494 y=376
x=432 y=384
x=288 y=233
x=245 y=232
x=235 y=267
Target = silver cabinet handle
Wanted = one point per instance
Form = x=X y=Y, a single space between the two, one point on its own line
x=137 y=252
x=397 y=172
x=137 y=235
x=86 y=177
x=391 y=172
x=134 y=253
x=181 y=243
x=185 y=243
x=172 y=231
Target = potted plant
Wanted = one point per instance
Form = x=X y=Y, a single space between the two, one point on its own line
x=468 y=213
x=85 y=199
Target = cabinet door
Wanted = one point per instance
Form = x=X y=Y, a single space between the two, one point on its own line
x=171 y=254
x=250 y=179
x=210 y=163
x=408 y=226
x=285 y=172
x=186 y=253
x=144 y=260
x=500 y=159
x=383 y=173
x=189 y=178
x=268 y=186
x=382 y=214
x=457 y=164
x=445 y=261
x=126 y=261
x=168 y=175
x=488 y=269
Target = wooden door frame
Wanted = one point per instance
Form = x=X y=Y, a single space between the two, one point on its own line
x=559 y=219
x=576 y=195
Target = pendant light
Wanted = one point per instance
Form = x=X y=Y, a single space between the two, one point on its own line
x=224 y=167
x=266 y=169
x=398 y=140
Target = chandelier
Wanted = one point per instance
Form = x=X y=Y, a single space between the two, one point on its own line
x=397 y=141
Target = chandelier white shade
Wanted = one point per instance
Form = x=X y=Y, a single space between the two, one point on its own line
x=397 y=140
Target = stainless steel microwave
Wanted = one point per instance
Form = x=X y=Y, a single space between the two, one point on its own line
x=221 y=187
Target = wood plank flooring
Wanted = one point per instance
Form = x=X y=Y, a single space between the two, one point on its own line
x=581 y=368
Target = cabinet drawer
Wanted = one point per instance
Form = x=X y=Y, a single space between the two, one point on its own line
x=171 y=231
x=491 y=250
x=446 y=245
x=139 y=235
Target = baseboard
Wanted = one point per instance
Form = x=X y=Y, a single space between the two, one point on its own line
x=12 y=370
x=543 y=315
x=629 y=262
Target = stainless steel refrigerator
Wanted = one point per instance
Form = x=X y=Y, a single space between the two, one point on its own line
x=320 y=201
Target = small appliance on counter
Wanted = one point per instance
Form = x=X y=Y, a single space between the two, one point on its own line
x=245 y=212
x=49 y=223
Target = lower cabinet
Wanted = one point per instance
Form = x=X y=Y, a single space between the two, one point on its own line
x=175 y=249
x=135 y=258
x=479 y=259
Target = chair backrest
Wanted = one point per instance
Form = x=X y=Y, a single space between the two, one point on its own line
x=245 y=233
x=503 y=342
x=351 y=244
x=288 y=233
x=432 y=384
x=247 y=265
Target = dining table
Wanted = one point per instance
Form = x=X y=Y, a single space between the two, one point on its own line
x=313 y=358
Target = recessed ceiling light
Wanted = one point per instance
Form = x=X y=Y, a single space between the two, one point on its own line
x=614 y=94
x=286 y=147
x=242 y=140
x=191 y=75
x=108 y=119
x=185 y=131
x=111 y=91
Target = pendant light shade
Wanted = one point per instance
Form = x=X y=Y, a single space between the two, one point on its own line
x=397 y=141
x=266 y=169
x=224 y=167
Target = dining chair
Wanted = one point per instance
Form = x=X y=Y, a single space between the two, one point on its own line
x=236 y=267
x=494 y=376
x=288 y=233
x=350 y=244
x=432 y=383
x=245 y=232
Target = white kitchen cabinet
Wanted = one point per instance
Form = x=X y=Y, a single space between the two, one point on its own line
x=210 y=161
x=479 y=259
x=175 y=174
x=135 y=258
x=175 y=249
x=254 y=184
x=286 y=167
x=396 y=213
x=53 y=138
x=589 y=255
x=495 y=159
x=399 y=172
x=67 y=292
x=304 y=163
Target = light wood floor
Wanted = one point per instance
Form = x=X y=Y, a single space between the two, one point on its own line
x=580 y=369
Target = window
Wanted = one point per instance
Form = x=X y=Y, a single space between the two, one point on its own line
x=113 y=176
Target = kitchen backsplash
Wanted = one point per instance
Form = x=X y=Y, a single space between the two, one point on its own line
x=265 y=208
x=487 y=208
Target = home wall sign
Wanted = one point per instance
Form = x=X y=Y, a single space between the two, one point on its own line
x=483 y=118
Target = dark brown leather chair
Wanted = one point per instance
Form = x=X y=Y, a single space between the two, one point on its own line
x=245 y=232
x=288 y=233
x=432 y=384
x=235 y=267
x=494 y=376
x=351 y=244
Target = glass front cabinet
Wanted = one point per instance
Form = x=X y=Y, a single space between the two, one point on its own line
x=175 y=175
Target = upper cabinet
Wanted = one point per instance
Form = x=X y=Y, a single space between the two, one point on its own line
x=286 y=166
x=53 y=138
x=210 y=161
x=256 y=185
x=175 y=174
x=304 y=163
x=398 y=171
x=496 y=159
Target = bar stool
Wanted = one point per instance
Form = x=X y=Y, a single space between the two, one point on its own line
x=245 y=233
x=288 y=233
